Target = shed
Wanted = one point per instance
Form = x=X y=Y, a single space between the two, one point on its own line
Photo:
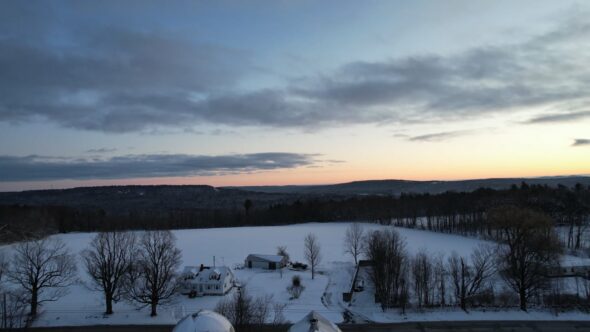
x=269 y=262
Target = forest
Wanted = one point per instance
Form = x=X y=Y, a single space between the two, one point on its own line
x=450 y=212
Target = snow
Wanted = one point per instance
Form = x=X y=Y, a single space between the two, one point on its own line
x=204 y=321
x=455 y=314
x=230 y=246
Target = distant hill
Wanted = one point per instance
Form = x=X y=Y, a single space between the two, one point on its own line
x=396 y=187
x=30 y=213
x=117 y=200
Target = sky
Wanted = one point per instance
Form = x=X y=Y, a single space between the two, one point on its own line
x=283 y=92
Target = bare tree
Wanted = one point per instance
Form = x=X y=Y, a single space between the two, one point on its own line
x=44 y=269
x=4 y=267
x=468 y=280
x=312 y=252
x=107 y=261
x=528 y=249
x=282 y=251
x=13 y=303
x=585 y=288
x=237 y=309
x=404 y=292
x=422 y=271
x=247 y=313
x=152 y=279
x=440 y=279
x=278 y=313
x=387 y=251
x=353 y=241
x=13 y=309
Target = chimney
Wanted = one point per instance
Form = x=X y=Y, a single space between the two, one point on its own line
x=313 y=325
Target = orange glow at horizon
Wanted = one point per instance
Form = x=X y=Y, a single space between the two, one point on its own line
x=513 y=152
x=297 y=177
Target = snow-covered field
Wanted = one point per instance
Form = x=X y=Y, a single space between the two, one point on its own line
x=230 y=246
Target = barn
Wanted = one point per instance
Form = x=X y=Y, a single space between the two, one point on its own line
x=269 y=262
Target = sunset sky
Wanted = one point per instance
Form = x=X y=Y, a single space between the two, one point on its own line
x=291 y=92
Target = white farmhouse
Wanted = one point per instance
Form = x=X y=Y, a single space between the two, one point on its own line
x=206 y=280
x=269 y=262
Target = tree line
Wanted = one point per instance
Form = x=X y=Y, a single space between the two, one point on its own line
x=462 y=213
x=522 y=261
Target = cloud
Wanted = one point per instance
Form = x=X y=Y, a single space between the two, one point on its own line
x=34 y=168
x=436 y=137
x=559 y=117
x=581 y=142
x=479 y=81
x=101 y=150
x=114 y=79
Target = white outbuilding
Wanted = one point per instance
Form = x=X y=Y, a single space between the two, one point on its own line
x=314 y=322
x=269 y=262
x=204 y=321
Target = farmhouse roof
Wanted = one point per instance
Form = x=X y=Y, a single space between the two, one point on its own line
x=266 y=258
x=208 y=275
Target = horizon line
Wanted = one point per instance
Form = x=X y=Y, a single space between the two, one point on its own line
x=302 y=185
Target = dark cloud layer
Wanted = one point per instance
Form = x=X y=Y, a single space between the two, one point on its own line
x=34 y=168
x=115 y=79
x=560 y=117
x=124 y=82
x=435 y=137
x=581 y=142
x=101 y=150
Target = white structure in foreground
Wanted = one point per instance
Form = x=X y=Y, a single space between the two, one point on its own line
x=204 y=321
x=314 y=322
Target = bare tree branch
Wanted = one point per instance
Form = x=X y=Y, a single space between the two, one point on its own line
x=312 y=252
x=152 y=279
x=107 y=261
x=353 y=241
x=44 y=268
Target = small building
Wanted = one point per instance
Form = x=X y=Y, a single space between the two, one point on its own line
x=269 y=262
x=206 y=280
x=204 y=321
x=314 y=322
